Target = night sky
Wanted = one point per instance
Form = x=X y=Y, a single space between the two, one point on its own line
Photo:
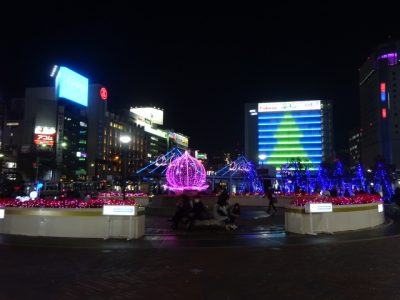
x=200 y=69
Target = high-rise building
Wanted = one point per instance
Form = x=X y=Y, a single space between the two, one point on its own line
x=57 y=128
x=276 y=132
x=354 y=140
x=379 y=104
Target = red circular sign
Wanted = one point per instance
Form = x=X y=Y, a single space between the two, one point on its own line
x=103 y=93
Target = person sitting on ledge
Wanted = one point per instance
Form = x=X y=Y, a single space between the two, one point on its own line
x=198 y=212
x=221 y=214
x=234 y=213
x=183 y=211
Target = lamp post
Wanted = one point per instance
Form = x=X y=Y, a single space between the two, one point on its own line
x=262 y=157
x=1 y=168
x=125 y=140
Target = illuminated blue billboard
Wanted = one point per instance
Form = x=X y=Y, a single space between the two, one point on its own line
x=72 y=86
x=290 y=130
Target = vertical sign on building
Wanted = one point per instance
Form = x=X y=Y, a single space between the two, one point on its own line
x=60 y=134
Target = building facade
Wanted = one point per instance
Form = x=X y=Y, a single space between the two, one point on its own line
x=66 y=133
x=277 y=132
x=59 y=129
x=158 y=141
x=354 y=140
x=379 y=105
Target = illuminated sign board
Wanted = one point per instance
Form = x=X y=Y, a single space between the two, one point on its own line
x=179 y=139
x=156 y=132
x=44 y=136
x=72 y=86
x=81 y=154
x=44 y=139
x=199 y=155
x=289 y=106
x=45 y=130
x=154 y=115
x=318 y=207
x=118 y=210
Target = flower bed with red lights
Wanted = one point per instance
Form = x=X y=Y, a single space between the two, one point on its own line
x=302 y=200
x=67 y=203
x=360 y=211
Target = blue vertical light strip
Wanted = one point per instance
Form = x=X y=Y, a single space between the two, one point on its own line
x=383 y=91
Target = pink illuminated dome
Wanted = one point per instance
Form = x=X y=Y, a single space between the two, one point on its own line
x=186 y=173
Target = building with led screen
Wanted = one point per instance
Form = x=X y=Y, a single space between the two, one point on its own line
x=379 y=104
x=277 y=132
x=60 y=125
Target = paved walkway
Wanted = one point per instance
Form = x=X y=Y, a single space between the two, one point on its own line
x=255 y=228
x=258 y=261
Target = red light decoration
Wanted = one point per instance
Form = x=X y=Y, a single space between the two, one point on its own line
x=302 y=200
x=383 y=113
x=383 y=87
x=103 y=93
x=63 y=203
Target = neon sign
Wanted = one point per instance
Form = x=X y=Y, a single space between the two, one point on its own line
x=383 y=92
x=44 y=139
x=242 y=166
x=103 y=93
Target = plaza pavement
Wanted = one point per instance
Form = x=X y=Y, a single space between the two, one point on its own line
x=256 y=261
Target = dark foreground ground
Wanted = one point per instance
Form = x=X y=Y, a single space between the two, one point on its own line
x=258 y=261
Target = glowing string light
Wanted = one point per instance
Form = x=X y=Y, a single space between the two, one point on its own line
x=186 y=173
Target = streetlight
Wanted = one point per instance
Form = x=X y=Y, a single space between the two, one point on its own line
x=125 y=140
x=262 y=157
x=1 y=166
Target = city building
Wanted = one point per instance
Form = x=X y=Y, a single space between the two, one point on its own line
x=54 y=128
x=11 y=137
x=379 y=105
x=277 y=132
x=157 y=140
x=109 y=163
x=66 y=133
x=354 y=140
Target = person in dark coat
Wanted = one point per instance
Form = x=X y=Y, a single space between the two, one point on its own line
x=198 y=212
x=272 y=200
x=183 y=211
x=223 y=197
